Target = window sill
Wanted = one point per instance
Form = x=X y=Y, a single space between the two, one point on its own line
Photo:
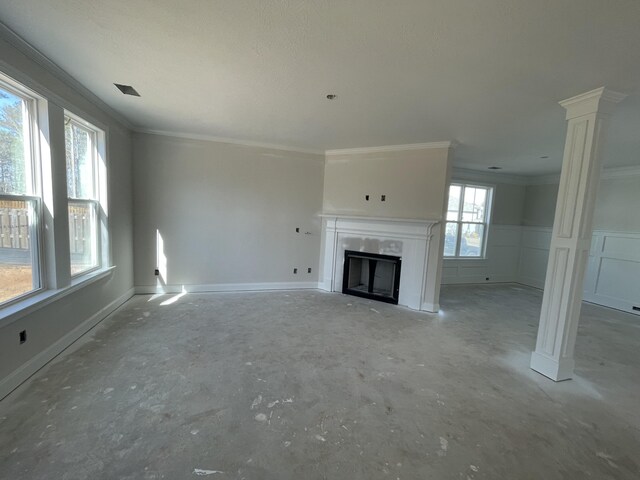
x=11 y=313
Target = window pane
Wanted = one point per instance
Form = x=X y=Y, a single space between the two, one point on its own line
x=13 y=164
x=474 y=204
x=471 y=240
x=82 y=236
x=450 y=239
x=79 y=151
x=16 y=256
x=454 y=202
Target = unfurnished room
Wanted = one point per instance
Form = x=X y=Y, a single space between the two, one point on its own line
x=320 y=239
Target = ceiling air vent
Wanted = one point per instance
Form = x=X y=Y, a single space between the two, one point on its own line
x=127 y=89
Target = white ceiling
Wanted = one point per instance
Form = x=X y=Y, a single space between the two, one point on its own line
x=487 y=74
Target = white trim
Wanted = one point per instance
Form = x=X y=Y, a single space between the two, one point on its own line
x=232 y=141
x=430 y=307
x=422 y=221
x=225 y=287
x=27 y=369
x=390 y=148
x=468 y=174
x=556 y=370
x=38 y=57
x=599 y=93
x=411 y=241
x=620 y=172
x=607 y=174
x=15 y=311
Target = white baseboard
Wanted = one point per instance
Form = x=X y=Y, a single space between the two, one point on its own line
x=225 y=287
x=22 y=373
x=615 y=303
x=478 y=280
x=531 y=282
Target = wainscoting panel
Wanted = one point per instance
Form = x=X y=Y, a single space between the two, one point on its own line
x=613 y=274
x=534 y=255
x=613 y=270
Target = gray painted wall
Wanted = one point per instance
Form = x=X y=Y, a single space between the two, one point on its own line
x=614 y=211
x=618 y=204
x=227 y=213
x=53 y=322
x=414 y=183
x=540 y=205
x=508 y=204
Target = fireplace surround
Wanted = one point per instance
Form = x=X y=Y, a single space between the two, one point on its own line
x=412 y=240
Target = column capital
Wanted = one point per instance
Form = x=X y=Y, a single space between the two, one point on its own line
x=600 y=100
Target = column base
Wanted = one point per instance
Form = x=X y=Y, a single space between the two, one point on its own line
x=430 y=307
x=552 y=368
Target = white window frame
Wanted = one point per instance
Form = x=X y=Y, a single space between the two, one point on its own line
x=98 y=202
x=486 y=223
x=33 y=174
x=47 y=111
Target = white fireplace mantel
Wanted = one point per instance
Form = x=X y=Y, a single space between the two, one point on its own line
x=403 y=237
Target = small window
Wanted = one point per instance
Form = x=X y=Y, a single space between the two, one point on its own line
x=467 y=221
x=82 y=190
x=19 y=193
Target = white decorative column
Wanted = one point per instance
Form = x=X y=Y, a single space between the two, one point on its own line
x=587 y=115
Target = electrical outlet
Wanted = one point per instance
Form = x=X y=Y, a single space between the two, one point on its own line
x=297 y=229
x=309 y=270
x=383 y=198
x=366 y=197
x=295 y=271
x=156 y=272
x=23 y=336
x=487 y=279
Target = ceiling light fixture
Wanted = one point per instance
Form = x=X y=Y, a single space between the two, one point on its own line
x=494 y=168
x=331 y=96
x=127 y=90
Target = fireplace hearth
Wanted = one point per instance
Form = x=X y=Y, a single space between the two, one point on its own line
x=371 y=275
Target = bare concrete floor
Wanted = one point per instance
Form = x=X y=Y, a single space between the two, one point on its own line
x=311 y=385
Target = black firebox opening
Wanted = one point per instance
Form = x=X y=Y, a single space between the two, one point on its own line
x=371 y=275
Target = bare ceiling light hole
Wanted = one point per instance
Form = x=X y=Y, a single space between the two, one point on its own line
x=331 y=96
x=127 y=89
x=494 y=168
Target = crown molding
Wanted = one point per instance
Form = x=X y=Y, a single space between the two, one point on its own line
x=45 y=62
x=620 y=172
x=232 y=141
x=607 y=174
x=391 y=148
x=492 y=177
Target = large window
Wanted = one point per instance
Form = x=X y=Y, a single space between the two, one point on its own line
x=19 y=193
x=467 y=220
x=34 y=264
x=82 y=190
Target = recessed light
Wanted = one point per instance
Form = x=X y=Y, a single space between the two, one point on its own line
x=494 y=168
x=331 y=96
x=127 y=89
